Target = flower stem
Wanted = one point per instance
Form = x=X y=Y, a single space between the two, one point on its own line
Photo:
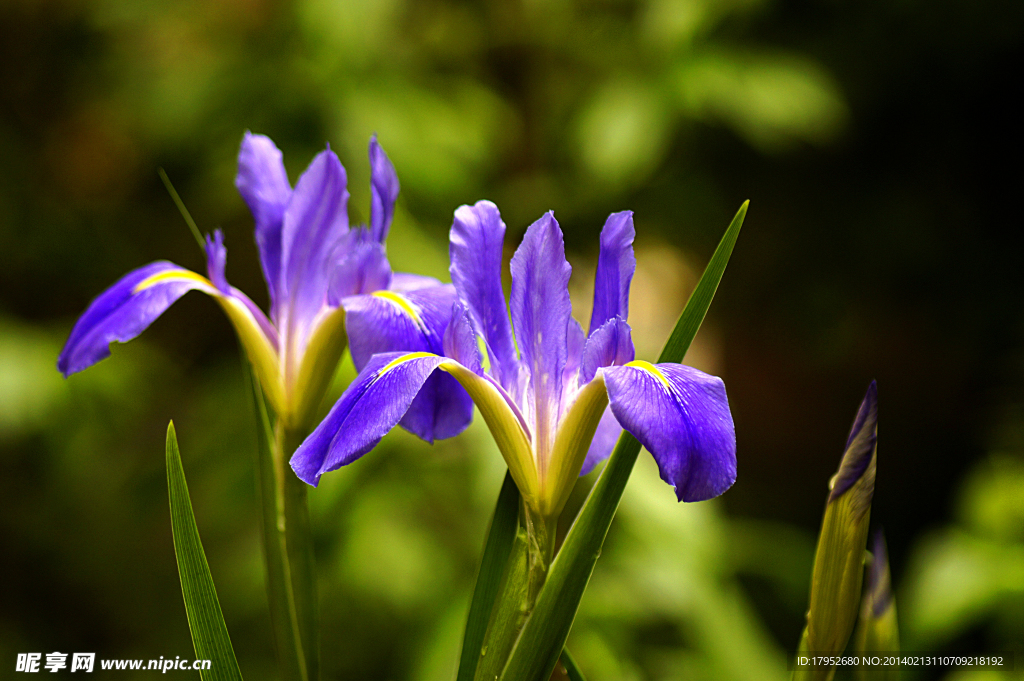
x=525 y=573
x=291 y=574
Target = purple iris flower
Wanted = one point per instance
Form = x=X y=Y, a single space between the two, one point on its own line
x=329 y=285
x=541 y=383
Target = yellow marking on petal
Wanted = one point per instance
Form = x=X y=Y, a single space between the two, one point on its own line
x=402 y=360
x=171 y=275
x=403 y=304
x=651 y=369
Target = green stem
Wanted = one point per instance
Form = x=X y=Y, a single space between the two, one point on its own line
x=291 y=574
x=525 y=572
x=540 y=531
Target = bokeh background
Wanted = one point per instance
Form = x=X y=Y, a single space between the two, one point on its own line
x=878 y=143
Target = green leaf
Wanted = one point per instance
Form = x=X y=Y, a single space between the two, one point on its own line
x=205 y=619
x=544 y=634
x=497 y=549
x=571 y=669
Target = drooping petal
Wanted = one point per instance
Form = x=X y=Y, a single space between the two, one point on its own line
x=415 y=321
x=615 y=267
x=605 y=437
x=681 y=415
x=360 y=265
x=383 y=191
x=314 y=221
x=403 y=281
x=541 y=310
x=371 y=406
x=263 y=184
x=386 y=321
x=125 y=309
x=476 y=242
x=611 y=344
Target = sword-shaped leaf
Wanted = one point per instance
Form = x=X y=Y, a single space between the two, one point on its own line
x=205 y=618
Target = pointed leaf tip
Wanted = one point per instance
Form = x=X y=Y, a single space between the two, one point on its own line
x=210 y=636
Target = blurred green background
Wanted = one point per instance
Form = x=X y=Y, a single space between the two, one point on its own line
x=880 y=148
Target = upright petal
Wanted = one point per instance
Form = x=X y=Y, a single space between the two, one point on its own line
x=541 y=310
x=477 y=239
x=371 y=406
x=403 y=281
x=415 y=321
x=460 y=340
x=611 y=344
x=615 y=267
x=359 y=265
x=681 y=415
x=217 y=260
x=575 y=342
x=383 y=191
x=314 y=221
x=124 y=311
x=263 y=184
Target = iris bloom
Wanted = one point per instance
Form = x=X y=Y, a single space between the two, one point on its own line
x=316 y=269
x=541 y=383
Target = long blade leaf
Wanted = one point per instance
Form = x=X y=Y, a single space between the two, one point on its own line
x=205 y=618
x=544 y=634
x=498 y=547
x=571 y=669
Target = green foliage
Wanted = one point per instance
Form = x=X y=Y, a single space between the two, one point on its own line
x=497 y=550
x=205 y=619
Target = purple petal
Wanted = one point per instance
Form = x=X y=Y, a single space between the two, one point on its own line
x=403 y=281
x=124 y=311
x=412 y=322
x=391 y=322
x=383 y=191
x=607 y=434
x=264 y=186
x=575 y=341
x=360 y=265
x=476 y=242
x=460 y=340
x=540 y=316
x=615 y=267
x=681 y=415
x=371 y=406
x=216 y=261
x=611 y=344
x=860 y=445
x=314 y=222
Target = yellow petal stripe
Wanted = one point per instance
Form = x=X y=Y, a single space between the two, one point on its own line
x=402 y=360
x=403 y=304
x=651 y=369
x=172 y=275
